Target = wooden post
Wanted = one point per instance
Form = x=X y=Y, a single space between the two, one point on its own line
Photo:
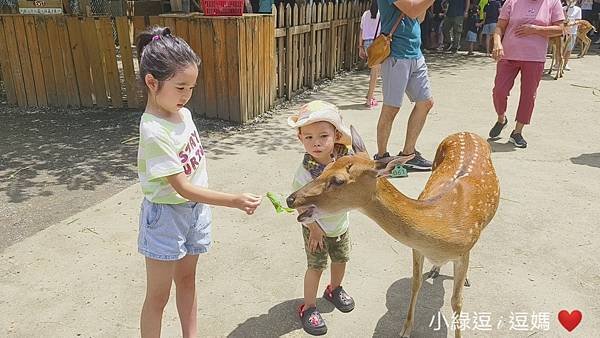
x=288 y=48
x=313 y=48
x=332 y=39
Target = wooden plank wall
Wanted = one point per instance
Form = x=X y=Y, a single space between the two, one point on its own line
x=248 y=63
x=65 y=61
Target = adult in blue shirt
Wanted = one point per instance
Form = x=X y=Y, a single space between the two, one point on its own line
x=458 y=10
x=404 y=71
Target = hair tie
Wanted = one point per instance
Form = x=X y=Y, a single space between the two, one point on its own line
x=156 y=37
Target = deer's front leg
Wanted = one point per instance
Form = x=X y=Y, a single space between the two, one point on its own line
x=416 y=286
x=460 y=275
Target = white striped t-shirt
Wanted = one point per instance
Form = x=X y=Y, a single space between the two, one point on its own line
x=166 y=149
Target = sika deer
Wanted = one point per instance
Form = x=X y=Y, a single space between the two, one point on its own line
x=459 y=200
x=583 y=28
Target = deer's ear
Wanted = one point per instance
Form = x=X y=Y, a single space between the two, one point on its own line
x=358 y=145
x=385 y=166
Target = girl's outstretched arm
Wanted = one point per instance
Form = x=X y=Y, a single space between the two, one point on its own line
x=246 y=202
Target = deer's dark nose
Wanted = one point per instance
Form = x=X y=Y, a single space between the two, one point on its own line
x=290 y=200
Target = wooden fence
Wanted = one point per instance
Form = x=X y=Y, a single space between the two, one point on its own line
x=315 y=41
x=248 y=63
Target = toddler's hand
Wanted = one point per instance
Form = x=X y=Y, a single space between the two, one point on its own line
x=247 y=202
x=315 y=239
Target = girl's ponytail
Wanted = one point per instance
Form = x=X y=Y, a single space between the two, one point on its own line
x=162 y=54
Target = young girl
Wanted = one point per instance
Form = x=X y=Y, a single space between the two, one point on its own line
x=175 y=220
x=370 y=27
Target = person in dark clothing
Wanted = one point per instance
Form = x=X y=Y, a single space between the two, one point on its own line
x=457 y=12
x=435 y=29
x=473 y=25
x=491 y=13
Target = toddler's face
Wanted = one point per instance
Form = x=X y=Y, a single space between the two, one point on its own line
x=319 y=139
x=177 y=91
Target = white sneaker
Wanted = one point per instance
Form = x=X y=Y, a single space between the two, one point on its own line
x=567 y=67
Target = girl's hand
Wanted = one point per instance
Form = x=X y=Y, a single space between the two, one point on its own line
x=497 y=52
x=315 y=239
x=526 y=29
x=362 y=52
x=247 y=202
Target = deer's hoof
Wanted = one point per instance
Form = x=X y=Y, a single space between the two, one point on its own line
x=406 y=329
x=467 y=283
x=434 y=272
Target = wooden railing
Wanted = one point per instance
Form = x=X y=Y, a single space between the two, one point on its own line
x=248 y=63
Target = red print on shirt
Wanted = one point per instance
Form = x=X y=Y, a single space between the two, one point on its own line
x=191 y=154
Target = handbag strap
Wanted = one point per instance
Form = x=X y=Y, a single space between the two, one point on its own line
x=376 y=29
x=396 y=24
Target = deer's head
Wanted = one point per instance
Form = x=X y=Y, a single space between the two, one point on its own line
x=345 y=184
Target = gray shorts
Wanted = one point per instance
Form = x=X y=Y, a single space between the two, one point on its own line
x=168 y=232
x=405 y=76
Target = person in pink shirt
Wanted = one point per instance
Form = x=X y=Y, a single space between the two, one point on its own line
x=520 y=45
x=370 y=28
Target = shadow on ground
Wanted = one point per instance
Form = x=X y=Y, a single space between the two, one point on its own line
x=429 y=303
x=591 y=160
x=280 y=320
x=77 y=148
x=500 y=147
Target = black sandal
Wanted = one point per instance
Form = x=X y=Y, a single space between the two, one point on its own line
x=312 y=322
x=339 y=298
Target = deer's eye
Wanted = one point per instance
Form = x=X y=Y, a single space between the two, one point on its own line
x=336 y=181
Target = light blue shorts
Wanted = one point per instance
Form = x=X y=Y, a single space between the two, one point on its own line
x=405 y=76
x=367 y=43
x=168 y=232
x=571 y=43
x=488 y=29
x=471 y=36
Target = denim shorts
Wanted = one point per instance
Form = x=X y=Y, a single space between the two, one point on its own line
x=489 y=28
x=471 y=36
x=405 y=76
x=367 y=43
x=168 y=232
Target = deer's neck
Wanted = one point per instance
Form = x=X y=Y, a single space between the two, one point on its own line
x=412 y=222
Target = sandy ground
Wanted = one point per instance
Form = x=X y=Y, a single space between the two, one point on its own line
x=67 y=273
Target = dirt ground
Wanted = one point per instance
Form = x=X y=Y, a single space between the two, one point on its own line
x=69 y=203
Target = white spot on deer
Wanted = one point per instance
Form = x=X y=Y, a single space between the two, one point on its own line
x=471 y=207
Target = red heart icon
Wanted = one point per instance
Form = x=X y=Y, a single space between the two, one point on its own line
x=569 y=320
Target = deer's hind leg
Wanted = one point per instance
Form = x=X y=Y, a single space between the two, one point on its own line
x=461 y=266
x=585 y=45
x=416 y=286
